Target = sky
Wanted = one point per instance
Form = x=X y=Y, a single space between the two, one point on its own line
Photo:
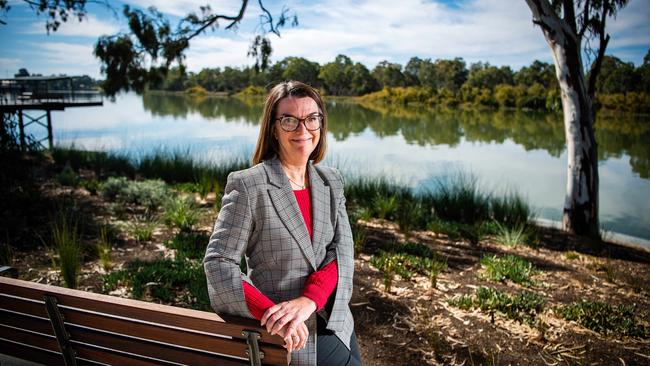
x=500 y=32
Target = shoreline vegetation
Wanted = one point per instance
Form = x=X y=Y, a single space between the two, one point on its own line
x=431 y=268
x=444 y=83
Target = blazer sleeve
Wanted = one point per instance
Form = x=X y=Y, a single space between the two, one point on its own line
x=342 y=249
x=228 y=242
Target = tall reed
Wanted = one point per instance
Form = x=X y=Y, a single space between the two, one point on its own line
x=66 y=238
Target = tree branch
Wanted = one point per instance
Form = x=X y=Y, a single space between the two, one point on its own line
x=603 y=41
x=569 y=14
x=585 y=19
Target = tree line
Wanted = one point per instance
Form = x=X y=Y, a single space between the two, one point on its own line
x=620 y=86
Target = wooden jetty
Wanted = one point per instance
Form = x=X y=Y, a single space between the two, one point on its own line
x=40 y=93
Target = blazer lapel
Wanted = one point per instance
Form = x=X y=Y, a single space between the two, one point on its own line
x=320 y=203
x=287 y=208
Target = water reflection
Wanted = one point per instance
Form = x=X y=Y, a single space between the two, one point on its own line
x=617 y=135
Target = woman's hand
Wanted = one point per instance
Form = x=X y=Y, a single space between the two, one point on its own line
x=295 y=341
x=289 y=314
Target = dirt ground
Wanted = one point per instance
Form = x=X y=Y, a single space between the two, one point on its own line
x=413 y=324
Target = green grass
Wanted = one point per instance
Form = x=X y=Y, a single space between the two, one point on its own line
x=102 y=163
x=67 y=177
x=180 y=212
x=407 y=260
x=459 y=199
x=67 y=246
x=523 y=307
x=604 y=318
x=511 y=236
x=571 y=255
x=174 y=282
x=104 y=248
x=510 y=210
x=508 y=267
x=142 y=231
x=189 y=245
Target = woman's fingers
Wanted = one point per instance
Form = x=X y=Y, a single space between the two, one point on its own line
x=304 y=335
x=270 y=311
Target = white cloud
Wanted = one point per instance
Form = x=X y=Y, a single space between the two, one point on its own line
x=214 y=51
x=63 y=58
x=181 y=8
x=90 y=26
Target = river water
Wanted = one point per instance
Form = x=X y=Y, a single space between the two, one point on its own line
x=416 y=147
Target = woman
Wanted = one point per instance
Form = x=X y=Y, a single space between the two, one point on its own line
x=288 y=216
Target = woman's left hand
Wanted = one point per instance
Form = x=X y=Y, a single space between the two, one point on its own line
x=289 y=313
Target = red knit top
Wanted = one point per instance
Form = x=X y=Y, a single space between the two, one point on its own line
x=319 y=285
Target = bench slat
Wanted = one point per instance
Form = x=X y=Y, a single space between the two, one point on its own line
x=28 y=338
x=26 y=322
x=23 y=306
x=178 y=337
x=33 y=354
x=145 y=348
x=156 y=313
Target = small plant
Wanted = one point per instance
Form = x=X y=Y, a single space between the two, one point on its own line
x=149 y=193
x=508 y=267
x=180 y=212
x=604 y=318
x=174 y=282
x=91 y=185
x=104 y=248
x=510 y=210
x=68 y=177
x=409 y=214
x=571 y=255
x=359 y=238
x=511 y=235
x=189 y=245
x=460 y=199
x=385 y=205
x=451 y=229
x=67 y=247
x=407 y=260
x=523 y=307
x=142 y=231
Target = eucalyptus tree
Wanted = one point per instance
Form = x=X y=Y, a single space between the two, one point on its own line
x=573 y=29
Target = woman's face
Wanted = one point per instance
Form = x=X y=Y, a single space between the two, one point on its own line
x=296 y=146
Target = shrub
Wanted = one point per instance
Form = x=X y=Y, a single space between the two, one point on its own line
x=175 y=282
x=149 y=193
x=189 y=245
x=67 y=177
x=180 y=212
x=91 y=185
x=508 y=267
x=523 y=307
x=513 y=236
x=407 y=260
x=142 y=231
x=604 y=318
x=384 y=206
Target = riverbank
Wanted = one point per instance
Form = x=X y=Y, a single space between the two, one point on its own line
x=439 y=290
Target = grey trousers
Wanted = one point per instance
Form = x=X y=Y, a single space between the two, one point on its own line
x=330 y=351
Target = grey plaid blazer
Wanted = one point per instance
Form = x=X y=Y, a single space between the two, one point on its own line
x=260 y=217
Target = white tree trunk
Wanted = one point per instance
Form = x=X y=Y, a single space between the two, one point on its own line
x=580 y=214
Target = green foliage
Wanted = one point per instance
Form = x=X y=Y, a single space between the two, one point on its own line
x=189 y=244
x=149 y=193
x=142 y=231
x=174 y=282
x=605 y=318
x=104 y=248
x=6 y=254
x=198 y=91
x=180 y=212
x=406 y=260
x=67 y=177
x=252 y=91
x=67 y=247
x=102 y=163
x=523 y=307
x=571 y=255
x=92 y=185
x=510 y=210
x=513 y=236
x=385 y=206
x=508 y=267
x=461 y=200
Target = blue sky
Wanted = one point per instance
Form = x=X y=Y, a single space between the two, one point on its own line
x=369 y=31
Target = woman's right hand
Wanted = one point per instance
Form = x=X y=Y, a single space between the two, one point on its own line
x=295 y=340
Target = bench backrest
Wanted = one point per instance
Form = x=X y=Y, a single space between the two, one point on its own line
x=111 y=330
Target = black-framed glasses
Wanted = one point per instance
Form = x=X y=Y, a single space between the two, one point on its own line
x=290 y=123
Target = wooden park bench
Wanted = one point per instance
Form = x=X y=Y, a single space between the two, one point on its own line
x=58 y=326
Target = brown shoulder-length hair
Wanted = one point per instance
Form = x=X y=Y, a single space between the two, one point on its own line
x=267 y=146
